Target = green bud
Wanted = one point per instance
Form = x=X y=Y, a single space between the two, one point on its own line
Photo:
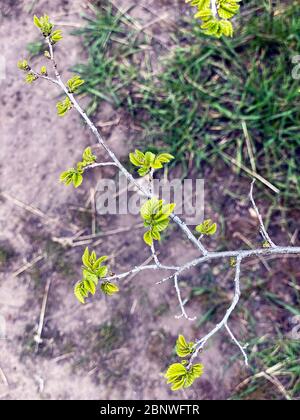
x=44 y=70
x=30 y=78
x=56 y=36
x=47 y=55
x=44 y=25
x=109 y=289
x=63 y=107
x=23 y=65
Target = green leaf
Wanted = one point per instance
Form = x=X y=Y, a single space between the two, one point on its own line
x=90 y=275
x=102 y=271
x=143 y=171
x=74 y=83
x=155 y=234
x=30 y=78
x=23 y=65
x=86 y=258
x=162 y=225
x=89 y=286
x=79 y=292
x=227 y=8
x=150 y=207
x=56 y=36
x=99 y=261
x=183 y=348
x=196 y=371
x=64 y=106
x=43 y=70
x=148 y=238
x=175 y=371
x=165 y=158
x=178 y=375
x=77 y=179
x=37 y=22
x=207 y=228
x=148 y=160
x=43 y=24
x=88 y=158
x=109 y=288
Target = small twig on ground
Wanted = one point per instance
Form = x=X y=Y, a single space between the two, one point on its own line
x=29 y=265
x=38 y=336
x=4 y=378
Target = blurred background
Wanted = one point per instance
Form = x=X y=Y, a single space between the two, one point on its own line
x=229 y=111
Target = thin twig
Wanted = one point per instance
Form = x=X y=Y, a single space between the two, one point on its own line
x=242 y=349
x=263 y=230
x=29 y=265
x=183 y=312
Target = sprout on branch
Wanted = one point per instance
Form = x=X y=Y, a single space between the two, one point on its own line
x=181 y=376
x=156 y=216
x=64 y=106
x=147 y=161
x=207 y=228
x=93 y=270
x=184 y=349
x=215 y=16
x=43 y=24
x=75 y=176
x=74 y=83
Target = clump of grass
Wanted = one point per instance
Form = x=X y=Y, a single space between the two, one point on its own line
x=113 y=45
x=35 y=48
x=108 y=337
x=276 y=371
x=6 y=253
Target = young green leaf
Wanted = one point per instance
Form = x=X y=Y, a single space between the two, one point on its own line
x=64 y=106
x=23 y=65
x=74 y=83
x=183 y=348
x=88 y=158
x=80 y=292
x=215 y=22
x=30 y=78
x=43 y=24
x=56 y=36
x=149 y=161
x=71 y=176
x=181 y=377
x=109 y=288
x=44 y=70
x=156 y=217
x=207 y=228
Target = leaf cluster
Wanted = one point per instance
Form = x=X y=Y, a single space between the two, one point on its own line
x=75 y=175
x=156 y=216
x=92 y=271
x=74 y=83
x=46 y=27
x=178 y=374
x=219 y=25
x=207 y=228
x=147 y=161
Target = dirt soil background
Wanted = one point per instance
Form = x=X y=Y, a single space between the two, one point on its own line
x=108 y=349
